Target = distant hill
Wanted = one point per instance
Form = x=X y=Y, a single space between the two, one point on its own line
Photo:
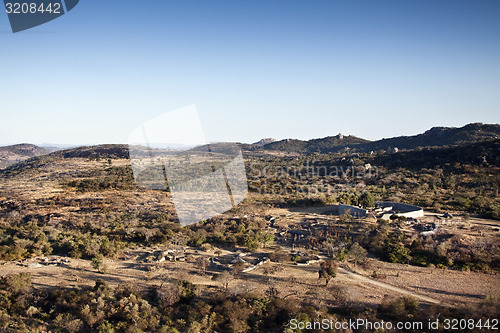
x=10 y=155
x=99 y=151
x=55 y=147
x=19 y=156
x=435 y=137
x=324 y=145
x=480 y=153
x=438 y=137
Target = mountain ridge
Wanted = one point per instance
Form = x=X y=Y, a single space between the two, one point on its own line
x=434 y=137
x=11 y=156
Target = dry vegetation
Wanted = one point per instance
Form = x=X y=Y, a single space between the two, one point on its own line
x=83 y=249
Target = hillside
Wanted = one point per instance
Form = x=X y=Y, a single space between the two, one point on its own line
x=99 y=151
x=30 y=165
x=324 y=145
x=435 y=137
x=10 y=155
x=438 y=137
x=485 y=153
x=75 y=229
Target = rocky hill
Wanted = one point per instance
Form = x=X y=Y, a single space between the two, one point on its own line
x=435 y=137
x=264 y=142
x=10 y=155
x=324 y=145
x=94 y=152
x=438 y=137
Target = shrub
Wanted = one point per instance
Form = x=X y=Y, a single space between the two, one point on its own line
x=328 y=270
x=16 y=283
x=99 y=264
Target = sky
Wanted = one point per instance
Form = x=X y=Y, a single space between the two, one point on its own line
x=254 y=69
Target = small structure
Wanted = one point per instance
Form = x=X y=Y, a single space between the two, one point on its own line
x=239 y=258
x=171 y=255
x=400 y=209
x=429 y=229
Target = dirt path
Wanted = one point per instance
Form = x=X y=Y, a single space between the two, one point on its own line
x=358 y=277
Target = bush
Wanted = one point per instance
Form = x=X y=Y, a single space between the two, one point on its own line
x=16 y=283
x=328 y=270
x=397 y=253
x=367 y=200
x=99 y=264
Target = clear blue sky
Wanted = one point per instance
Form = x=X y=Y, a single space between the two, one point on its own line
x=282 y=69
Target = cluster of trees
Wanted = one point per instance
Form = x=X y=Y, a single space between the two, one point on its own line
x=94 y=234
x=119 y=178
x=387 y=241
x=229 y=232
x=34 y=239
x=178 y=306
x=25 y=240
x=365 y=199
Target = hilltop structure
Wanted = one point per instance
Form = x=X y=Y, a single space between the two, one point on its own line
x=384 y=210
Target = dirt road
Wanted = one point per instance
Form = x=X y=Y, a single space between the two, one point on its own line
x=358 y=277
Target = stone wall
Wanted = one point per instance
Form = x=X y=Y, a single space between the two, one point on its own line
x=352 y=210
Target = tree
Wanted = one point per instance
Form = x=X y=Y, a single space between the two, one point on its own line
x=356 y=253
x=16 y=283
x=99 y=265
x=167 y=294
x=202 y=264
x=367 y=200
x=251 y=242
x=224 y=278
x=328 y=270
x=403 y=307
x=267 y=238
x=398 y=253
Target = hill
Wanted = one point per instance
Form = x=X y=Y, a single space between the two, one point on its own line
x=438 y=137
x=30 y=165
x=435 y=137
x=95 y=152
x=10 y=155
x=485 y=153
x=324 y=145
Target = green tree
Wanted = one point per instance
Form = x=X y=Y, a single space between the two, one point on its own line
x=252 y=242
x=99 y=265
x=367 y=200
x=266 y=239
x=398 y=253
